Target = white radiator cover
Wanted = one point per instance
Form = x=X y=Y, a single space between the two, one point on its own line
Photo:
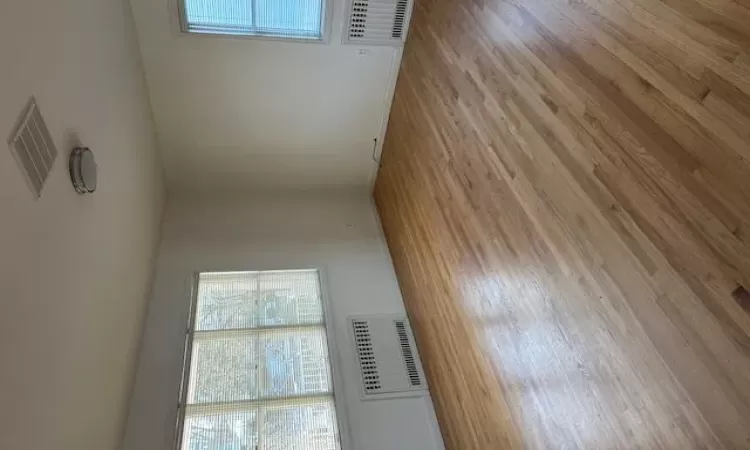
x=383 y=22
x=388 y=360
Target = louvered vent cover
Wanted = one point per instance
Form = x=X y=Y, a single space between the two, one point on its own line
x=33 y=148
x=378 y=21
x=388 y=360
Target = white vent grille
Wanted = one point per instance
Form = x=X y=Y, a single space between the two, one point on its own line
x=409 y=361
x=388 y=360
x=370 y=375
x=33 y=148
x=378 y=21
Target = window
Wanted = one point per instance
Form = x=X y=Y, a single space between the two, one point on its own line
x=297 y=19
x=259 y=374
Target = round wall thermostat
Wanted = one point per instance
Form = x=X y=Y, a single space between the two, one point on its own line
x=83 y=170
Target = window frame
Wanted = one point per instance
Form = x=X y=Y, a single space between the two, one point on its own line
x=325 y=24
x=337 y=389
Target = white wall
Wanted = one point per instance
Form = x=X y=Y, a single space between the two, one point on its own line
x=75 y=271
x=335 y=231
x=239 y=112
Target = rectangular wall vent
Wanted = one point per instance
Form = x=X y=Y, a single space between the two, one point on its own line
x=388 y=360
x=33 y=148
x=378 y=21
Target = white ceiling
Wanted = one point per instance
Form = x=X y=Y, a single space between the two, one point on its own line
x=244 y=113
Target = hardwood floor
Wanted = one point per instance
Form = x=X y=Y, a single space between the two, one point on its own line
x=565 y=190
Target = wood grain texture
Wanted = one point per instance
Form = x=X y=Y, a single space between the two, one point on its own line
x=565 y=190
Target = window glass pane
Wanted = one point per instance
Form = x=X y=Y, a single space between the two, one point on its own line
x=281 y=18
x=294 y=363
x=224 y=369
x=219 y=13
x=280 y=15
x=280 y=425
x=219 y=430
x=254 y=365
x=255 y=299
x=310 y=426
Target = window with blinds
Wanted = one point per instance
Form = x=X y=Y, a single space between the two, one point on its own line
x=296 y=19
x=258 y=373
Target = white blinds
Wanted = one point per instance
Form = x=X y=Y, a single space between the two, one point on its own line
x=278 y=18
x=259 y=375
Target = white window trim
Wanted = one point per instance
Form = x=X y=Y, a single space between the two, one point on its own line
x=333 y=356
x=181 y=29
